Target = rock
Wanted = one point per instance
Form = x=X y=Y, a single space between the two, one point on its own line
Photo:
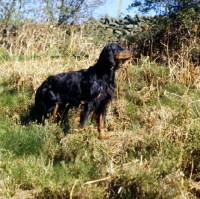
x=122 y=27
x=139 y=17
x=130 y=26
x=118 y=32
x=114 y=24
x=126 y=32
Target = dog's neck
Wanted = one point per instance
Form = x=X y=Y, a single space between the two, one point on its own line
x=103 y=68
x=107 y=73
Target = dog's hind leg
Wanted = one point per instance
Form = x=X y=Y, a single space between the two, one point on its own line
x=55 y=112
x=63 y=112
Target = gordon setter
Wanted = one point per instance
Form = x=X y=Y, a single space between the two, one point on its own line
x=89 y=89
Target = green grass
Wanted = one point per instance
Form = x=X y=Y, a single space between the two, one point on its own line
x=153 y=151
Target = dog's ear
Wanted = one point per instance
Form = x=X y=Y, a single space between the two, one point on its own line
x=107 y=56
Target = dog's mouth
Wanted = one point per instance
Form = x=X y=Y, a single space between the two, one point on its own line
x=119 y=64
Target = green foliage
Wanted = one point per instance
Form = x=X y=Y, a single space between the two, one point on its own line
x=186 y=11
x=3 y=54
x=27 y=141
x=171 y=31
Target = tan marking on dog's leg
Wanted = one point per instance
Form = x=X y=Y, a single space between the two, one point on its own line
x=55 y=112
x=78 y=115
x=99 y=95
x=101 y=127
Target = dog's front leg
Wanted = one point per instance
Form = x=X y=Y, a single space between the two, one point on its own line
x=86 y=110
x=80 y=109
x=100 y=117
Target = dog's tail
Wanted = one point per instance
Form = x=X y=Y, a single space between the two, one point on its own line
x=32 y=116
x=37 y=114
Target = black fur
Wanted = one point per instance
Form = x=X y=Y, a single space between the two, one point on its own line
x=89 y=89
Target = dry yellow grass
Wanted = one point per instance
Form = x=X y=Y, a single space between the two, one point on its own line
x=182 y=68
x=45 y=42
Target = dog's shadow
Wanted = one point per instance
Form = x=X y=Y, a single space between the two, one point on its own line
x=63 y=122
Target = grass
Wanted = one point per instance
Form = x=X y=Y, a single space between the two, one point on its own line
x=153 y=127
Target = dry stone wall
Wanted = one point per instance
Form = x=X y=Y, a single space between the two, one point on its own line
x=121 y=27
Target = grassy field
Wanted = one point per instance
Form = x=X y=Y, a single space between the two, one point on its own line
x=153 y=126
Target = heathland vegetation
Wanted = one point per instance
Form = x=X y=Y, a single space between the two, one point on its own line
x=153 y=123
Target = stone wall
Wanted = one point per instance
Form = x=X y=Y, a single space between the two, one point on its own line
x=121 y=27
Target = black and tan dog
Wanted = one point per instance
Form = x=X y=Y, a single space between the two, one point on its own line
x=89 y=89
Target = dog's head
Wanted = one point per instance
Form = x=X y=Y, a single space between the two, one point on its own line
x=113 y=54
